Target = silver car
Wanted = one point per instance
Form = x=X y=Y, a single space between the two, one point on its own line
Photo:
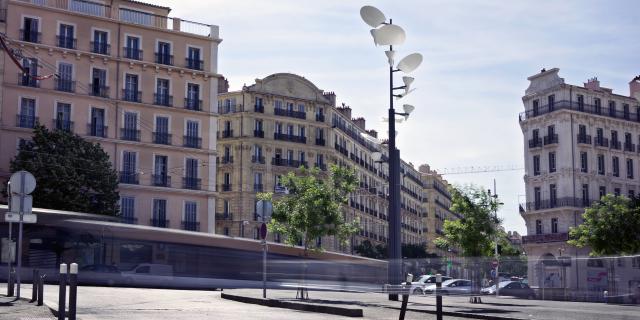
x=453 y=286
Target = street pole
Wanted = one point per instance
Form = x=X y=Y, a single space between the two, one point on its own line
x=497 y=256
x=11 y=251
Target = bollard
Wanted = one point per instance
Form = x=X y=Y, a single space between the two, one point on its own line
x=34 y=285
x=73 y=290
x=11 y=283
x=405 y=295
x=438 y=297
x=62 y=294
x=41 y=289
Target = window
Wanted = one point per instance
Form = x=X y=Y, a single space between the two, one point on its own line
x=99 y=83
x=131 y=92
x=552 y=162
x=580 y=102
x=601 y=164
x=538 y=226
x=616 y=191
x=191 y=180
x=97 y=127
x=277 y=104
x=163 y=55
x=257 y=182
x=630 y=168
x=585 y=195
x=127 y=209
x=583 y=162
x=163 y=95
x=130 y=130
x=615 y=163
x=100 y=42
x=64 y=80
x=612 y=108
x=63 y=117
x=30 y=30
x=551 y=102
x=625 y=111
x=129 y=174
x=537 y=197
x=132 y=48
x=194 y=61
x=553 y=197
x=598 y=105
x=602 y=191
x=27 y=117
x=161 y=135
x=192 y=136
x=535 y=107
x=190 y=216
x=192 y=101
x=28 y=78
x=536 y=165
x=66 y=37
x=554 y=225
x=160 y=170
x=159 y=213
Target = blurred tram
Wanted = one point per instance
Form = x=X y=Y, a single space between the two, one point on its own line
x=112 y=253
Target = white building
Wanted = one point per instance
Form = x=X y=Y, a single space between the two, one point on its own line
x=580 y=142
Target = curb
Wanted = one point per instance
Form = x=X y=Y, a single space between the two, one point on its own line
x=347 y=312
x=460 y=314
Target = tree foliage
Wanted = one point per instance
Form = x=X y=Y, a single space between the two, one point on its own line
x=71 y=173
x=473 y=234
x=610 y=227
x=409 y=251
x=312 y=208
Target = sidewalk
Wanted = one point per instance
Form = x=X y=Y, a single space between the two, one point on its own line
x=12 y=309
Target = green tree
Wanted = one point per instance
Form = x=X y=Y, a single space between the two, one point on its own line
x=312 y=208
x=610 y=227
x=512 y=260
x=71 y=173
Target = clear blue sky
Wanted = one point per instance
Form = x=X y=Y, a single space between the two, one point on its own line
x=478 y=55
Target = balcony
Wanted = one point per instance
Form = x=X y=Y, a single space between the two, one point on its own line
x=551 y=139
x=224 y=216
x=257 y=159
x=578 y=107
x=130 y=134
x=616 y=144
x=66 y=42
x=128 y=220
x=288 y=163
x=132 y=95
x=225 y=187
x=128 y=177
x=584 y=139
x=192 y=142
x=258 y=108
x=628 y=146
x=30 y=36
x=319 y=117
x=290 y=113
x=556 y=203
x=226 y=134
x=535 y=143
x=191 y=183
x=159 y=223
x=24 y=121
x=258 y=187
x=98 y=90
x=195 y=64
x=162 y=138
x=28 y=80
x=545 y=238
x=320 y=142
x=193 y=104
x=289 y=137
x=133 y=53
x=601 y=142
x=163 y=99
x=161 y=180
x=341 y=149
x=97 y=130
x=65 y=85
x=100 y=48
x=64 y=125
x=258 y=133
x=166 y=59
x=191 y=225
x=226 y=159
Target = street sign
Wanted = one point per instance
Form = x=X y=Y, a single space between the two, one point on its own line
x=263 y=231
x=22 y=183
x=22 y=204
x=15 y=217
x=264 y=209
x=494 y=263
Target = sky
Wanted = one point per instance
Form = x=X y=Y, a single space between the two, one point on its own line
x=477 y=57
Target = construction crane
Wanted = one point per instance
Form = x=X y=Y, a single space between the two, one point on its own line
x=478 y=169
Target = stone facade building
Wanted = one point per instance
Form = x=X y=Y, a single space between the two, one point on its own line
x=127 y=76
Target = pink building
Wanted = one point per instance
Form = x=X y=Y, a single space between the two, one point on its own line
x=141 y=84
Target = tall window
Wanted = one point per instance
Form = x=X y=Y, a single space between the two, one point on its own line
x=160 y=170
x=535 y=107
x=552 y=162
x=97 y=126
x=30 y=30
x=162 y=135
x=602 y=191
x=585 y=195
x=612 y=108
x=584 y=166
x=99 y=83
x=100 y=42
x=538 y=226
x=64 y=81
x=554 y=225
x=190 y=216
x=192 y=135
x=160 y=213
x=63 y=117
x=191 y=180
x=257 y=182
x=551 y=101
x=132 y=49
x=129 y=173
x=194 y=61
x=536 y=165
x=597 y=105
x=625 y=111
x=27 y=117
x=553 y=197
x=66 y=37
x=630 y=168
x=537 y=195
x=28 y=78
x=615 y=164
x=163 y=96
x=130 y=130
x=127 y=209
x=601 y=164
x=193 y=101
x=131 y=92
x=580 y=102
x=163 y=55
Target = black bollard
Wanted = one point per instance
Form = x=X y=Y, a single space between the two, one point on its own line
x=62 y=294
x=41 y=289
x=438 y=297
x=405 y=295
x=11 y=283
x=73 y=290
x=34 y=285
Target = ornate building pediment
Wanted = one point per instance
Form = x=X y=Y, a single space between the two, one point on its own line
x=290 y=85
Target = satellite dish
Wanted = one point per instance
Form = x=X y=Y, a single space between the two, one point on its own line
x=372 y=16
x=388 y=35
x=410 y=62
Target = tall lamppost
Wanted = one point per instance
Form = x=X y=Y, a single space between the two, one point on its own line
x=387 y=34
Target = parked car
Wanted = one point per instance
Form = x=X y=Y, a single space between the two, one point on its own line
x=417 y=287
x=149 y=274
x=99 y=274
x=452 y=286
x=511 y=288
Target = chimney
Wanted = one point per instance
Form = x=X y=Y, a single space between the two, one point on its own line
x=634 y=88
x=331 y=96
x=360 y=123
x=592 y=84
x=223 y=85
x=373 y=133
x=345 y=111
x=425 y=168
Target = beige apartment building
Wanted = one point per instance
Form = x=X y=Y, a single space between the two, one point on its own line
x=437 y=204
x=284 y=121
x=127 y=76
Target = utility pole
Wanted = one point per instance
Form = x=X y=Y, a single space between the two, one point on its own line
x=496 y=237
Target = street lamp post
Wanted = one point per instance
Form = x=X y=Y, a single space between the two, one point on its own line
x=388 y=34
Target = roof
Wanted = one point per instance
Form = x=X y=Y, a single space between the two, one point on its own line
x=149 y=4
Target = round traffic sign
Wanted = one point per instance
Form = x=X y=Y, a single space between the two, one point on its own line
x=263 y=231
x=22 y=182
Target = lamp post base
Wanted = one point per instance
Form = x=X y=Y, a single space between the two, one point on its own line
x=393 y=297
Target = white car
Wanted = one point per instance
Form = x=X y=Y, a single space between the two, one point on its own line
x=149 y=274
x=453 y=286
x=418 y=287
